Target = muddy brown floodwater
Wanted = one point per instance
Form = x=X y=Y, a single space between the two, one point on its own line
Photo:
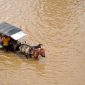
x=60 y=26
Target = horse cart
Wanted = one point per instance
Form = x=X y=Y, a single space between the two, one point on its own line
x=15 y=45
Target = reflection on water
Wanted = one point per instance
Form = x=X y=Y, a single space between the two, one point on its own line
x=59 y=25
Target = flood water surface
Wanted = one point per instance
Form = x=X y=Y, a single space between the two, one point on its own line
x=59 y=26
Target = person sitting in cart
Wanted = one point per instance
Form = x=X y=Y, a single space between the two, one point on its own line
x=6 y=41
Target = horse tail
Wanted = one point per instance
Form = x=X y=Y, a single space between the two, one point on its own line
x=20 y=48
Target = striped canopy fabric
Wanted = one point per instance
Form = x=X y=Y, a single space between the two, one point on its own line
x=10 y=30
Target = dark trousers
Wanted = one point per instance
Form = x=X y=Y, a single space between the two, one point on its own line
x=11 y=47
x=6 y=48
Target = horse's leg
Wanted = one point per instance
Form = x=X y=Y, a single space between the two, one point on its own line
x=26 y=55
x=30 y=55
x=36 y=55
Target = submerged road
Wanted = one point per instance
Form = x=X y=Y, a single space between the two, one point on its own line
x=60 y=26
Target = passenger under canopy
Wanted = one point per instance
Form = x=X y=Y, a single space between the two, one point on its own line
x=12 y=31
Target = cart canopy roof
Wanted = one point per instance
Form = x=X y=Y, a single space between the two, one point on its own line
x=12 y=31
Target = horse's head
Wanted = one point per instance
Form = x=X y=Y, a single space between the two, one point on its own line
x=42 y=52
x=39 y=45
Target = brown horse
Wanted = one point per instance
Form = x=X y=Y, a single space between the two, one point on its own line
x=35 y=52
x=38 y=52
